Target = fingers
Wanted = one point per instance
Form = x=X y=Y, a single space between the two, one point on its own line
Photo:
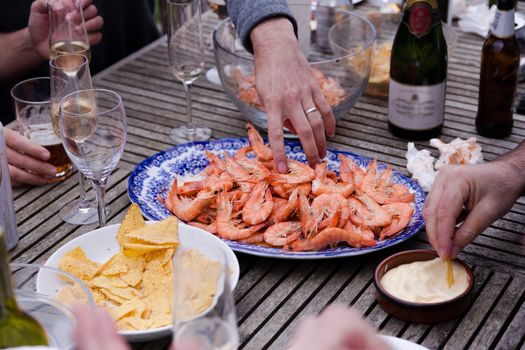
x=430 y=212
x=449 y=209
x=20 y=177
x=95 y=330
x=23 y=161
x=39 y=7
x=89 y=12
x=476 y=222
x=94 y=38
x=305 y=133
x=20 y=143
x=324 y=108
x=317 y=125
x=276 y=138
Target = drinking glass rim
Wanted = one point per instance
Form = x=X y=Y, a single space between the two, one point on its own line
x=106 y=111
x=51 y=60
x=31 y=102
x=180 y=2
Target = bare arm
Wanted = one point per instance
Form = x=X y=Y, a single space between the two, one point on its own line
x=17 y=47
x=24 y=49
x=485 y=191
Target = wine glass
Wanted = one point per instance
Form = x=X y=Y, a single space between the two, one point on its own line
x=93 y=130
x=186 y=59
x=199 y=322
x=67 y=30
x=69 y=73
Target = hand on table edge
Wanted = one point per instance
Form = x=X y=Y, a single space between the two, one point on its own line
x=287 y=88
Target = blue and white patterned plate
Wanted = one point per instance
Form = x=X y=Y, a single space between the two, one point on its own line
x=154 y=176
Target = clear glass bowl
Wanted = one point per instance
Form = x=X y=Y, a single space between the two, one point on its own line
x=35 y=296
x=350 y=70
x=386 y=25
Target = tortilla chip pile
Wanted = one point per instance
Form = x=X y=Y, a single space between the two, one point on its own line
x=135 y=285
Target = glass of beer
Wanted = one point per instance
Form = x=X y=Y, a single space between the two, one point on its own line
x=67 y=30
x=32 y=100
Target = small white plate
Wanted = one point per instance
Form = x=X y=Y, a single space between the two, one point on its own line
x=100 y=245
x=401 y=344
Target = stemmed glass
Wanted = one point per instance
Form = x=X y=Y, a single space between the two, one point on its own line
x=197 y=324
x=93 y=130
x=67 y=30
x=70 y=73
x=186 y=59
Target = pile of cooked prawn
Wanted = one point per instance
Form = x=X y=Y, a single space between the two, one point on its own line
x=244 y=198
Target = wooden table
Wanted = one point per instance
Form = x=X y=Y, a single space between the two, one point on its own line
x=273 y=295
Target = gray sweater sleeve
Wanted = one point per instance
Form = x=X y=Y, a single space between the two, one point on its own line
x=246 y=14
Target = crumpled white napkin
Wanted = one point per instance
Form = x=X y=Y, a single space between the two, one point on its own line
x=477 y=19
x=420 y=163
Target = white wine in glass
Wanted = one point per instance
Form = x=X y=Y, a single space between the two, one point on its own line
x=186 y=60
x=93 y=130
x=64 y=47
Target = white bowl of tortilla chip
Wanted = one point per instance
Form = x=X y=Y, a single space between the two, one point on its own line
x=100 y=245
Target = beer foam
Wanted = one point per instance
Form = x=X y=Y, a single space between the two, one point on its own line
x=44 y=135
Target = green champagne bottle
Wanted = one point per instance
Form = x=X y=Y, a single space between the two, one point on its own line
x=418 y=73
x=16 y=327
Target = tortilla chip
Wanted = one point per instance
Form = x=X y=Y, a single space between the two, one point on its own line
x=139 y=323
x=132 y=220
x=163 y=233
x=108 y=282
x=161 y=320
x=78 y=264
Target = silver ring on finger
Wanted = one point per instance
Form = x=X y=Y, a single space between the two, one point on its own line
x=311 y=110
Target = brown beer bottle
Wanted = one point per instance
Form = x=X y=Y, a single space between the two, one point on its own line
x=499 y=74
x=418 y=73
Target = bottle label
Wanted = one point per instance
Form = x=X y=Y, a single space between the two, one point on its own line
x=420 y=16
x=503 y=24
x=416 y=107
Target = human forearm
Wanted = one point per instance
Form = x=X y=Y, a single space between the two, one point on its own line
x=515 y=161
x=17 y=54
x=247 y=15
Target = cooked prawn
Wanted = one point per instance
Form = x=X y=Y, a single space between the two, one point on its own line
x=190 y=188
x=259 y=206
x=351 y=171
x=282 y=233
x=322 y=184
x=253 y=239
x=228 y=227
x=367 y=212
x=329 y=211
x=257 y=170
x=298 y=173
x=331 y=236
x=401 y=214
x=381 y=188
x=184 y=208
x=215 y=161
x=262 y=151
x=284 y=210
x=217 y=183
x=211 y=228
